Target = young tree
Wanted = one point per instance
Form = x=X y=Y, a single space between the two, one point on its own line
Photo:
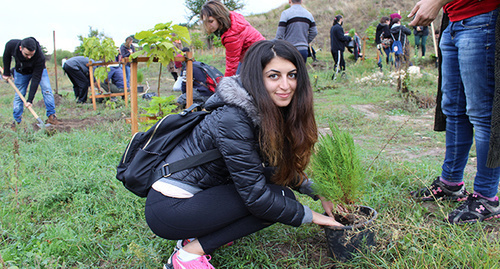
x=92 y=33
x=194 y=7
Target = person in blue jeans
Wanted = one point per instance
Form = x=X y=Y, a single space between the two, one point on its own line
x=382 y=35
x=468 y=89
x=126 y=49
x=30 y=67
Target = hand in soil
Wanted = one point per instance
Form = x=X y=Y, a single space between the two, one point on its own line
x=323 y=220
x=330 y=207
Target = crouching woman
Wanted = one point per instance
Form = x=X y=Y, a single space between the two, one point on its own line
x=263 y=118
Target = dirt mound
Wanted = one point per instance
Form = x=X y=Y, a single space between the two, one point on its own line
x=68 y=124
x=41 y=104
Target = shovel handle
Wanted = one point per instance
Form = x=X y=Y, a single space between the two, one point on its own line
x=20 y=95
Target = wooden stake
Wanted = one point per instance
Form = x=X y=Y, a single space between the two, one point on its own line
x=55 y=59
x=434 y=39
x=133 y=92
x=159 y=76
x=189 y=79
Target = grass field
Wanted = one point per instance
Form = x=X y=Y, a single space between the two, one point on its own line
x=63 y=208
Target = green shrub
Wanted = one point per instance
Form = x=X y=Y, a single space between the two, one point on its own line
x=336 y=168
x=61 y=54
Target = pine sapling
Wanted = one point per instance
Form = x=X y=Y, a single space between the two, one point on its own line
x=336 y=168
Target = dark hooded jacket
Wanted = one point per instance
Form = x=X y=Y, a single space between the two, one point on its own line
x=337 y=38
x=33 y=66
x=383 y=31
x=232 y=128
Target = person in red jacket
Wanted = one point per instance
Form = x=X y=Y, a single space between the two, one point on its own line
x=236 y=34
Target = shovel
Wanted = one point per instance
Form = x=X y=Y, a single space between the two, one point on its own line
x=40 y=121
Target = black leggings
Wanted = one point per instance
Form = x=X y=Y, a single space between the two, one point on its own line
x=215 y=216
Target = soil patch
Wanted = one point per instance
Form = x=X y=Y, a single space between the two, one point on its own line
x=68 y=124
x=41 y=105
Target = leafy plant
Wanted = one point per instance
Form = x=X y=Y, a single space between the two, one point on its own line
x=92 y=33
x=100 y=50
x=352 y=32
x=196 y=40
x=158 y=108
x=140 y=76
x=158 y=42
x=370 y=32
x=336 y=168
x=216 y=41
x=61 y=54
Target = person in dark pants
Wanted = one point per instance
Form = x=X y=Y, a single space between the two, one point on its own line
x=337 y=44
x=420 y=33
x=256 y=118
x=78 y=72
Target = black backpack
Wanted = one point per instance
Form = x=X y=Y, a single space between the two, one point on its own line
x=212 y=75
x=139 y=165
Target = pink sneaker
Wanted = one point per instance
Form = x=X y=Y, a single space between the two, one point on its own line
x=199 y=263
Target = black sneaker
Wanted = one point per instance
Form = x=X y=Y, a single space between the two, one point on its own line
x=440 y=191
x=474 y=209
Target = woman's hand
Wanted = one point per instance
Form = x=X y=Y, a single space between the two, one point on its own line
x=323 y=220
x=329 y=207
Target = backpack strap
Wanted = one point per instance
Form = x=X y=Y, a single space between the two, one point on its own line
x=167 y=169
x=189 y=162
x=201 y=83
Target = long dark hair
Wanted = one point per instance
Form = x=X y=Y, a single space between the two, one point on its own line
x=216 y=9
x=287 y=135
x=337 y=18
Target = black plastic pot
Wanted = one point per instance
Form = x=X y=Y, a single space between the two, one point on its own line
x=346 y=240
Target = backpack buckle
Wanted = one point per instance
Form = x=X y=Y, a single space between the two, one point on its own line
x=165 y=170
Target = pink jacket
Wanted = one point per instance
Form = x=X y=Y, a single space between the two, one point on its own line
x=237 y=40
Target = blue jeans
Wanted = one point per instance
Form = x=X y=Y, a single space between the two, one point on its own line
x=383 y=52
x=127 y=75
x=304 y=53
x=22 y=82
x=468 y=49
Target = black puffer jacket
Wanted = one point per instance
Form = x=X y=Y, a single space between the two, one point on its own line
x=232 y=128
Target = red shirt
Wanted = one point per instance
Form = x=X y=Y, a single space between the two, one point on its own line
x=463 y=9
